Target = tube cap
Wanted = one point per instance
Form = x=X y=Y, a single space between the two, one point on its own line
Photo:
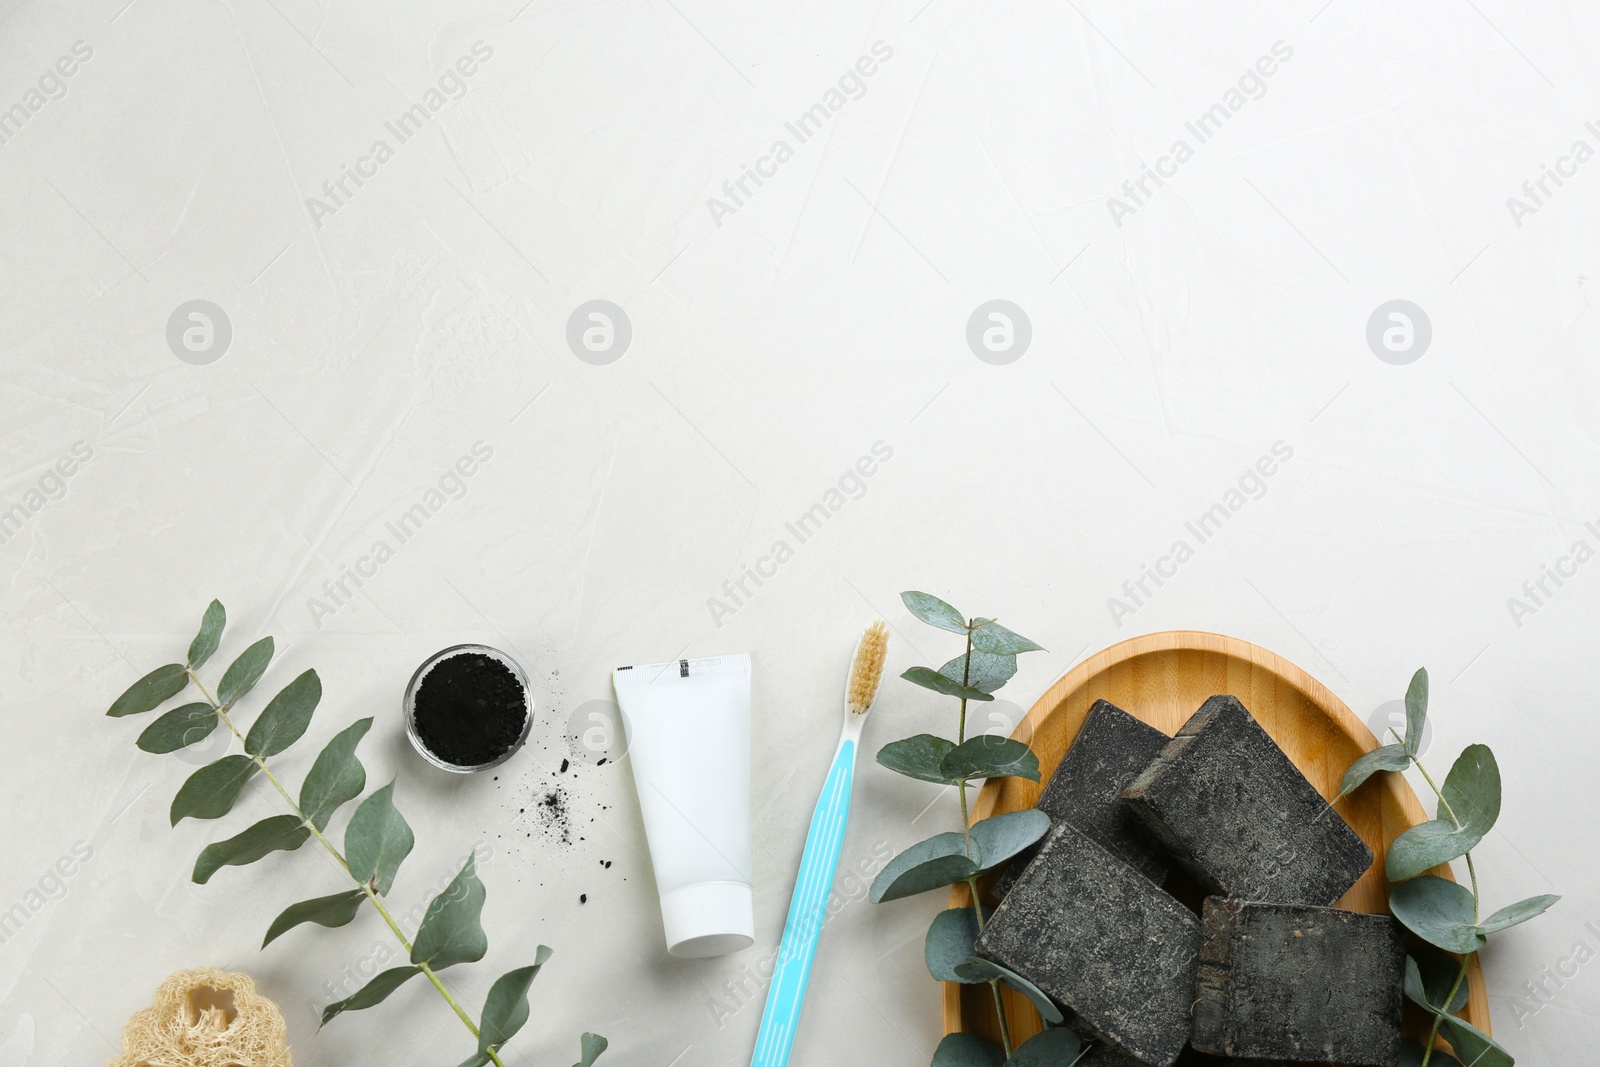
x=709 y=919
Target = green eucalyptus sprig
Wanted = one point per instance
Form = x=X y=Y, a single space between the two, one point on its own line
x=377 y=838
x=989 y=661
x=1443 y=913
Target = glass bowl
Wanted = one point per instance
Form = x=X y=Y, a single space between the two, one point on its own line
x=410 y=707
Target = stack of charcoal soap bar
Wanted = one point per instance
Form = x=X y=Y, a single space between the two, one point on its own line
x=1111 y=748
x=1270 y=974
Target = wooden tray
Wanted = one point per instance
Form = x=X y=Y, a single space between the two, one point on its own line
x=1163 y=678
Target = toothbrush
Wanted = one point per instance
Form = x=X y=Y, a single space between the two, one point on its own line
x=807 y=908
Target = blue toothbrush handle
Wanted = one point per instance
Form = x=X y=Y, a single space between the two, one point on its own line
x=807 y=912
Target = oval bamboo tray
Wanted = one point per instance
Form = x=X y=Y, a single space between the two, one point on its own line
x=1163 y=678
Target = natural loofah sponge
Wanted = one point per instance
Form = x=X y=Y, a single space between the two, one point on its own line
x=206 y=1018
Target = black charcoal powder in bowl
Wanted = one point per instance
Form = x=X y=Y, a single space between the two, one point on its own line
x=468 y=708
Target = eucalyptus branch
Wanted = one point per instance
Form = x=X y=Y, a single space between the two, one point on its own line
x=1439 y=911
x=1477 y=900
x=966 y=828
x=377 y=838
x=365 y=886
x=987 y=662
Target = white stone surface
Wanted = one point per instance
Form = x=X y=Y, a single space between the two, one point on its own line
x=375 y=344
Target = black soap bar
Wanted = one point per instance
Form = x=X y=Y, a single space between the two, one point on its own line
x=1191 y=1058
x=1299 y=983
x=1225 y=800
x=1104 y=941
x=1111 y=1056
x=1111 y=748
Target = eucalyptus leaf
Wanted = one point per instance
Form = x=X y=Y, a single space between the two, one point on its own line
x=1427 y=845
x=149 y=692
x=1418 y=992
x=1387 y=758
x=591 y=1046
x=1000 y=837
x=986 y=671
x=1472 y=1045
x=1057 y=1047
x=205 y=642
x=209 y=792
x=285 y=718
x=477 y=1059
x=941 y=860
x=967 y=1050
x=933 y=611
x=505 y=1010
x=244 y=672
x=949 y=943
x=986 y=756
x=981 y=970
x=452 y=928
x=184 y=725
x=996 y=639
x=377 y=840
x=336 y=775
x=374 y=992
x=1416 y=710
x=918 y=757
x=1439 y=911
x=929 y=678
x=1412 y=1055
x=1431 y=977
x=1469 y=807
x=1472 y=790
x=1520 y=912
x=277 y=833
x=334 y=910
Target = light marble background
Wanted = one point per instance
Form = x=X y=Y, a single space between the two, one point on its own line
x=373 y=346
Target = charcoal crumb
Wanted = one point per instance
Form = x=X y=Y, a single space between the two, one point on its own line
x=564 y=765
x=583 y=898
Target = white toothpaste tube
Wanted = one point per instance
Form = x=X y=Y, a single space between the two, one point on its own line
x=688 y=728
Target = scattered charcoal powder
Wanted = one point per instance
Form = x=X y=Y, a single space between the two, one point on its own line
x=470 y=709
x=555 y=820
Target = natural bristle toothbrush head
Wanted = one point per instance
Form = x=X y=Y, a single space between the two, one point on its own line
x=866 y=670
